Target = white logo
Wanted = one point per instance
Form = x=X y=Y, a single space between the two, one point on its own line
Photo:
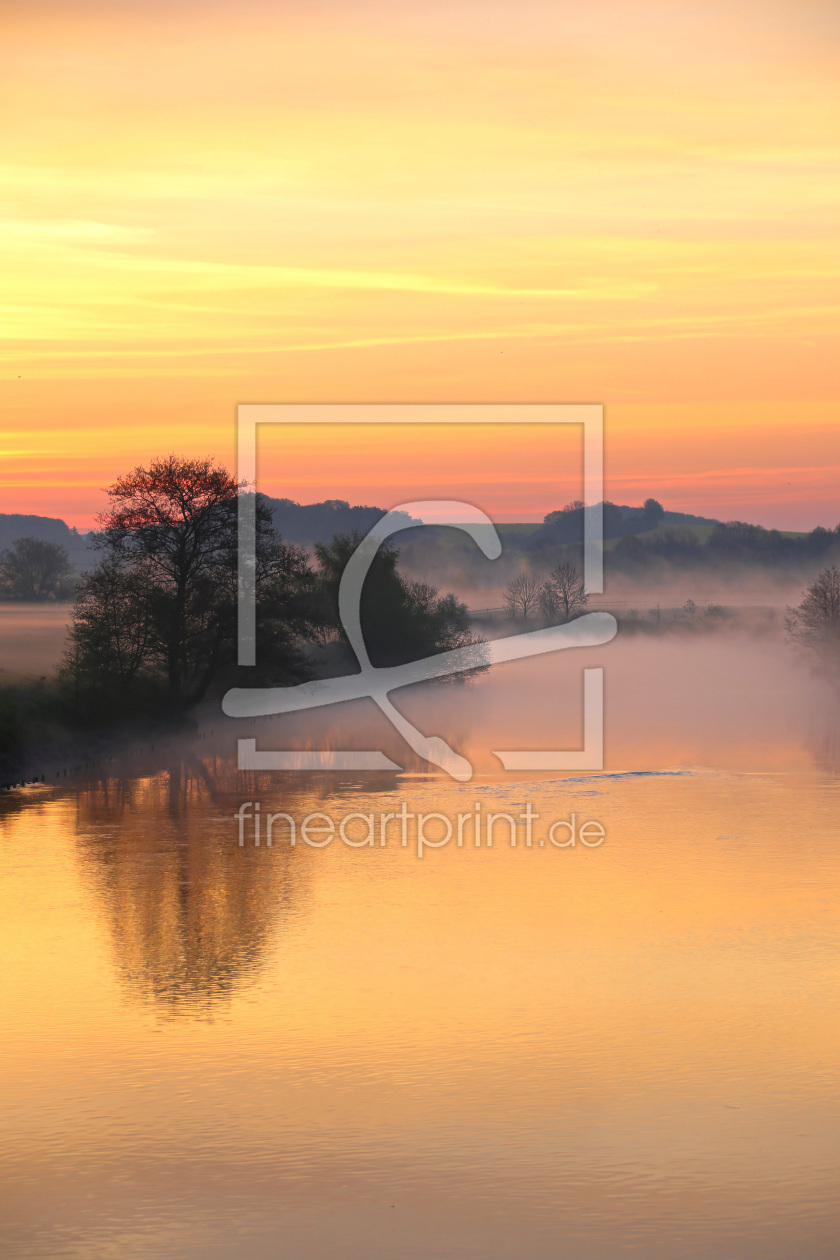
x=588 y=631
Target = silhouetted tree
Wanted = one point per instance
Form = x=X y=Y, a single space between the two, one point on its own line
x=310 y=523
x=549 y=601
x=567 y=590
x=654 y=512
x=521 y=595
x=112 y=628
x=815 y=623
x=161 y=606
x=575 y=507
x=32 y=568
x=402 y=620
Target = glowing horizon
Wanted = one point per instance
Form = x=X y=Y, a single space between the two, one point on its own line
x=634 y=205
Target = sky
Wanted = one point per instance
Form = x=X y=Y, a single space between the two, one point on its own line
x=634 y=204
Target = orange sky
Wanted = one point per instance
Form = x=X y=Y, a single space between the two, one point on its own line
x=633 y=204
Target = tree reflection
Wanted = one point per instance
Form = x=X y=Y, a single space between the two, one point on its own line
x=191 y=913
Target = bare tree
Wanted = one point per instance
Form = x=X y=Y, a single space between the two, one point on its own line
x=567 y=590
x=549 y=601
x=521 y=595
x=815 y=623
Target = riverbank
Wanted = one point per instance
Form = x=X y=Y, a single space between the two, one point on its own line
x=43 y=739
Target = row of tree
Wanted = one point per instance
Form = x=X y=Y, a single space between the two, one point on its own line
x=813 y=625
x=557 y=598
x=735 y=543
x=155 y=622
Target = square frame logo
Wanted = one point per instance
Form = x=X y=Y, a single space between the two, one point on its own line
x=592 y=629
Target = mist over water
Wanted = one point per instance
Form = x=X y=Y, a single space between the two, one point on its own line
x=678 y=690
x=717 y=579
x=731 y=698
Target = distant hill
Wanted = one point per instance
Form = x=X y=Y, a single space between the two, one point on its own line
x=638 y=540
x=303 y=523
x=310 y=523
x=14 y=525
x=625 y=530
x=566 y=526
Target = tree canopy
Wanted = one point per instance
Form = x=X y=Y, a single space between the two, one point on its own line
x=33 y=569
x=156 y=619
x=402 y=619
x=160 y=609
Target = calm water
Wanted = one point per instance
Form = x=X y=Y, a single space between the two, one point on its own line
x=507 y=1053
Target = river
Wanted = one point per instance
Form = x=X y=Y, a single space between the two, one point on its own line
x=623 y=1048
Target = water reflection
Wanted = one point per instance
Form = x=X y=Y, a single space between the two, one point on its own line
x=219 y=1051
x=824 y=747
x=191 y=914
x=490 y=1052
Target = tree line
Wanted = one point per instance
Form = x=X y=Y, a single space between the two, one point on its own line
x=813 y=626
x=154 y=625
x=556 y=598
x=734 y=543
